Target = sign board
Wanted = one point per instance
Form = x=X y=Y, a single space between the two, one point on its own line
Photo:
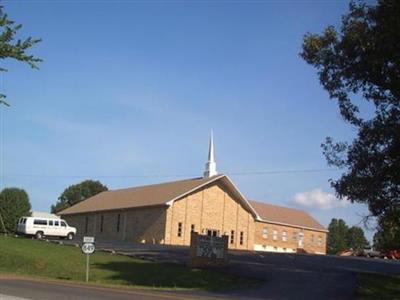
x=210 y=246
x=88 y=248
x=88 y=239
x=208 y=251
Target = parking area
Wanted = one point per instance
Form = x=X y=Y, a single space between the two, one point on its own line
x=287 y=276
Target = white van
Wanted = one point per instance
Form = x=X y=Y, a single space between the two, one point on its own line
x=40 y=227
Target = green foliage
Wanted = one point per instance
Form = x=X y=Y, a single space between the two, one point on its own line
x=361 y=59
x=341 y=237
x=337 y=236
x=356 y=239
x=35 y=258
x=11 y=47
x=77 y=193
x=387 y=236
x=14 y=203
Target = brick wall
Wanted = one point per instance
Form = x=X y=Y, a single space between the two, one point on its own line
x=210 y=208
x=314 y=241
x=146 y=225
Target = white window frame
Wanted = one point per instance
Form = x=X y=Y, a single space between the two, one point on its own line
x=265 y=233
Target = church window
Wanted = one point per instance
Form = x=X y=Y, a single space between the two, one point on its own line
x=86 y=224
x=192 y=229
x=179 y=229
x=118 y=221
x=232 y=236
x=241 y=238
x=275 y=235
x=284 y=236
x=101 y=223
x=319 y=241
x=265 y=233
x=312 y=239
x=295 y=236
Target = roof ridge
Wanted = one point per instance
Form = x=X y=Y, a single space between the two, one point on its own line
x=155 y=184
x=268 y=203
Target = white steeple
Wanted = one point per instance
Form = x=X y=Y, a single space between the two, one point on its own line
x=211 y=166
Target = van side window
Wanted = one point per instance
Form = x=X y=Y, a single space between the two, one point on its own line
x=63 y=224
x=50 y=222
x=40 y=222
x=56 y=223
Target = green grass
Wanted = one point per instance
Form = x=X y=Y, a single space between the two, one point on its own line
x=22 y=256
x=378 y=287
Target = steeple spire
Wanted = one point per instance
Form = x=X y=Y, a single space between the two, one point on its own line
x=211 y=166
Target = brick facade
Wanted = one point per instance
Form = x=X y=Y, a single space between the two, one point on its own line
x=143 y=225
x=288 y=238
x=210 y=208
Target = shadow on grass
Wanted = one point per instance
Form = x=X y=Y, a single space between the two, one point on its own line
x=375 y=286
x=169 y=276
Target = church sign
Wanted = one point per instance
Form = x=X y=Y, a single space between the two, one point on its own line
x=208 y=250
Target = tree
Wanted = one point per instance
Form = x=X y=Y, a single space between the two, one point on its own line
x=356 y=239
x=360 y=62
x=13 y=48
x=77 y=193
x=337 y=236
x=14 y=203
x=387 y=236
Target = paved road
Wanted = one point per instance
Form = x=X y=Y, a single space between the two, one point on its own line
x=287 y=276
x=35 y=289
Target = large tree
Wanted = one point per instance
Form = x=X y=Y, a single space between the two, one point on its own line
x=13 y=47
x=337 y=236
x=360 y=62
x=77 y=193
x=356 y=239
x=14 y=203
x=387 y=236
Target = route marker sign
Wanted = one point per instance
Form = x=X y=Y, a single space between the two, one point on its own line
x=88 y=239
x=88 y=248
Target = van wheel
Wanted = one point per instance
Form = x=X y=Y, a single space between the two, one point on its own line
x=39 y=235
x=70 y=236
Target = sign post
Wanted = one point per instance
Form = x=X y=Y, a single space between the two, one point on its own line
x=87 y=267
x=88 y=248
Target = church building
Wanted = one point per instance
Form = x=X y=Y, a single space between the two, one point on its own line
x=166 y=213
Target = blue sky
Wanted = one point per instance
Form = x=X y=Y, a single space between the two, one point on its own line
x=129 y=90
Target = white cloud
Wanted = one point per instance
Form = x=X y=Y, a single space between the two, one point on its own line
x=319 y=199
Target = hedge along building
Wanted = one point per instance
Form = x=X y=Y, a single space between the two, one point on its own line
x=166 y=213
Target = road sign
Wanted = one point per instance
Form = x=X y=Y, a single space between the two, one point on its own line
x=88 y=239
x=88 y=248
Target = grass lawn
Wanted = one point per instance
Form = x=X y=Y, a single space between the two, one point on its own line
x=378 y=287
x=22 y=256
